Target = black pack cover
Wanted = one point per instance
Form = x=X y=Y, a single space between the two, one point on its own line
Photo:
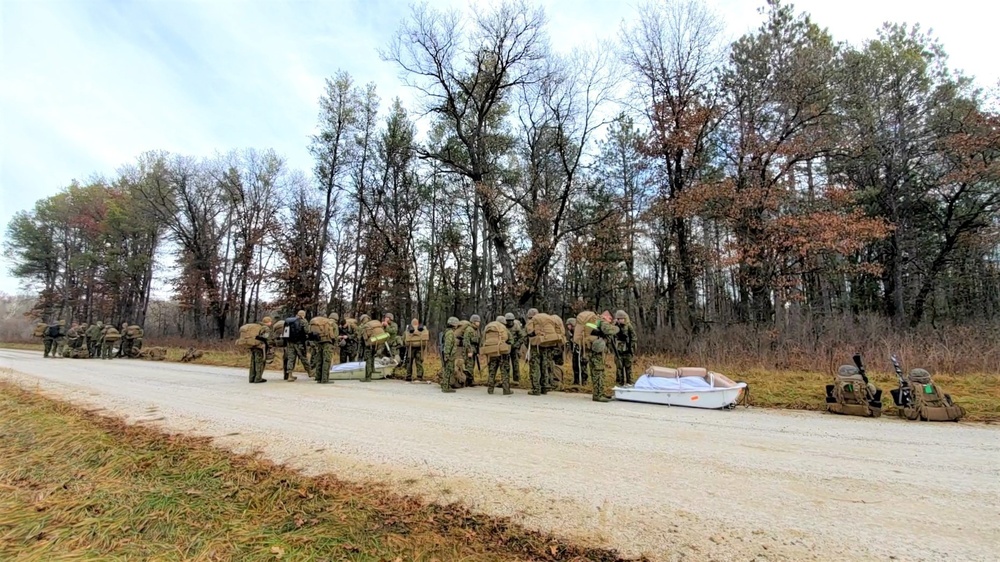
x=297 y=329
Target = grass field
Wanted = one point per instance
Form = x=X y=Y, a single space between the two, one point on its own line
x=979 y=394
x=78 y=486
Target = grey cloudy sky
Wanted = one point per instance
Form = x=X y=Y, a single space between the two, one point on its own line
x=87 y=85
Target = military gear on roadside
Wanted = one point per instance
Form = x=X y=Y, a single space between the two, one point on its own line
x=496 y=339
x=850 y=395
x=927 y=402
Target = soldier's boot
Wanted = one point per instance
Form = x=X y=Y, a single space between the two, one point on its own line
x=601 y=399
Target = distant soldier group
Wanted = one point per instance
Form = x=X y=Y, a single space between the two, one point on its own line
x=83 y=341
x=586 y=339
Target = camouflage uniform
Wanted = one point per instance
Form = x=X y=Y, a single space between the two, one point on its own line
x=323 y=354
x=471 y=340
x=391 y=348
x=449 y=349
x=368 y=351
x=94 y=339
x=625 y=342
x=415 y=356
x=518 y=337
x=348 y=342
x=296 y=350
x=579 y=373
x=604 y=331
x=125 y=349
x=75 y=338
x=501 y=363
x=539 y=364
x=257 y=354
x=49 y=340
x=109 y=335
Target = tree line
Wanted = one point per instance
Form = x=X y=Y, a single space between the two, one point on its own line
x=775 y=185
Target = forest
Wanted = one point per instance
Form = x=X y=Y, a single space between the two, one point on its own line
x=783 y=196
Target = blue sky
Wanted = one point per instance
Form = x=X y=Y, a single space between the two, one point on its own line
x=87 y=85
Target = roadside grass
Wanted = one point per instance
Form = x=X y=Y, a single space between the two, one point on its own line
x=979 y=394
x=80 y=486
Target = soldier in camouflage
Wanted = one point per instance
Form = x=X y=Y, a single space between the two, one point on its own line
x=257 y=354
x=94 y=339
x=501 y=363
x=391 y=349
x=605 y=331
x=324 y=352
x=368 y=350
x=535 y=362
x=471 y=340
x=296 y=348
x=625 y=344
x=518 y=336
x=449 y=351
x=415 y=354
x=579 y=373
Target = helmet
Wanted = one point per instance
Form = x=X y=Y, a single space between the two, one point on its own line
x=620 y=315
x=301 y=314
x=452 y=322
x=100 y=324
x=335 y=317
x=364 y=318
x=266 y=320
x=920 y=376
x=509 y=317
x=501 y=319
x=571 y=321
x=531 y=313
x=475 y=318
x=389 y=316
x=62 y=322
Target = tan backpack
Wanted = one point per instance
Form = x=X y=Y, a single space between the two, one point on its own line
x=323 y=328
x=586 y=322
x=416 y=338
x=460 y=332
x=549 y=331
x=929 y=403
x=133 y=332
x=374 y=333
x=278 y=328
x=248 y=336
x=848 y=395
x=112 y=334
x=40 y=330
x=495 y=340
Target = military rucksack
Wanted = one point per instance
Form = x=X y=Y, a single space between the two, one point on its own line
x=323 y=329
x=586 y=322
x=295 y=328
x=133 y=332
x=279 y=329
x=460 y=332
x=112 y=334
x=416 y=337
x=40 y=330
x=495 y=340
x=374 y=334
x=248 y=336
x=849 y=395
x=52 y=331
x=549 y=330
x=928 y=403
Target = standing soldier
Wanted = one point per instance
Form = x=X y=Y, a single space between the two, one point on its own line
x=366 y=349
x=392 y=346
x=470 y=341
x=579 y=373
x=323 y=332
x=109 y=336
x=94 y=339
x=72 y=339
x=257 y=354
x=536 y=360
x=60 y=341
x=625 y=347
x=49 y=340
x=124 y=350
x=295 y=347
x=501 y=363
x=449 y=350
x=603 y=331
x=416 y=338
x=518 y=337
x=348 y=340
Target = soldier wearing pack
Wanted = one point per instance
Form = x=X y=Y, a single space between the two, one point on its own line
x=258 y=352
x=74 y=339
x=415 y=338
x=348 y=340
x=94 y=338
x=391 y=348
x=625 y=345
x=323 y=331
x=449 y=351
x=109 y=337
x=49 y=339
x=599 y=331
x=367 y=349
x=579 y=373
x=123 y=350
x=518 y=338
x=497 y=344
x=60 y=339
x=534 y=359
x=471 y=340
x=297 y=330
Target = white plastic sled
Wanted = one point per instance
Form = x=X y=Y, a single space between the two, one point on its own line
x=692 y=387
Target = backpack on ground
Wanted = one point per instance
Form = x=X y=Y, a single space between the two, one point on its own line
x=374 y=333
x=133 y=332
x=549 y=331
x=927 y=402
x=278 y=328
x=297 y=330
x=495 y=340
x=850 y=395
x=40 y=330
x=323 y=328
x=416 y=338
x=248 y=336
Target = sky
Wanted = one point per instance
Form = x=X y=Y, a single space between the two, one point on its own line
x=88 y=85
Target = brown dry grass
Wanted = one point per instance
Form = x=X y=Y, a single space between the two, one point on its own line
x=978 y=393
x=79 y=486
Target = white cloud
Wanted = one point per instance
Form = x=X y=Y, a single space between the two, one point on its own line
x=87 y=86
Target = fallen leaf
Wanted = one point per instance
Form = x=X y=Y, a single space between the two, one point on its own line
x=554 y=550
x=277 y=551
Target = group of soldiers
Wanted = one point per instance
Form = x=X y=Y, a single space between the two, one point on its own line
x=312 y=344
x=90 y=341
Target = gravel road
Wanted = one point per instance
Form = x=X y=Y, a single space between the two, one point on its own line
x=670 y=483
